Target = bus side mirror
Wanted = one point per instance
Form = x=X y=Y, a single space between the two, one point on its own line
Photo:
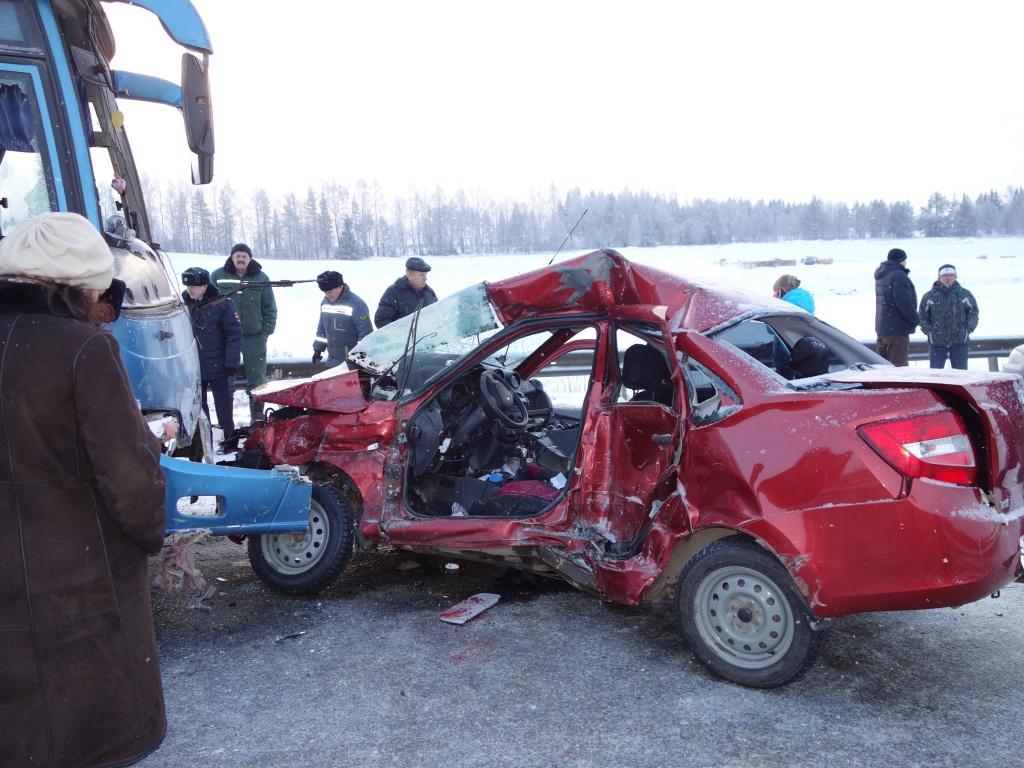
x=197 y=110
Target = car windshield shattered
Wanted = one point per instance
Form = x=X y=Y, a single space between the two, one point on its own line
x=413 y=348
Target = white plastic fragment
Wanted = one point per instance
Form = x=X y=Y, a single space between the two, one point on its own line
x=469 y=608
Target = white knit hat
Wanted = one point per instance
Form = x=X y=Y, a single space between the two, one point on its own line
x=63 y=247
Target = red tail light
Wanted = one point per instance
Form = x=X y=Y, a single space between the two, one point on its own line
x=932 y=445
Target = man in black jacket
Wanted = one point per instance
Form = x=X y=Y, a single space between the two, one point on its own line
x=218 y=335
x=895 y=308
x=406 y=294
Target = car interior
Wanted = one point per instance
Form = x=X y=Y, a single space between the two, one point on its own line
x=492 y=443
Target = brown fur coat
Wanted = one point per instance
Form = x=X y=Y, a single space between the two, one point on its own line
x=81 y=505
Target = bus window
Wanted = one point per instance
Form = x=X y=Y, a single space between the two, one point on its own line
x=26 y=180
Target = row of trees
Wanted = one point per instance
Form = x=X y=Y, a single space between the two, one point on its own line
x=338 y=221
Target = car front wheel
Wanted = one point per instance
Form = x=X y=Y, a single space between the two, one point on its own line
x=742 y=616
x=304 y=563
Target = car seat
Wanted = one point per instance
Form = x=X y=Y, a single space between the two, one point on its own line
x=809 y=357
x=645 y=371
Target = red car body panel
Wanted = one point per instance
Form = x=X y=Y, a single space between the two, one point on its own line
x=603 y=280
x=337 y=394
x=783 y=465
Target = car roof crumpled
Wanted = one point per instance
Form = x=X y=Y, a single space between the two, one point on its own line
x=603 y=279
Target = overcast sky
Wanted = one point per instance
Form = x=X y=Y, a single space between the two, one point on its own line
x=847 y=101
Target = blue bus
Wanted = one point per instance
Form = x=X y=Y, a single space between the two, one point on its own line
x=63 y=147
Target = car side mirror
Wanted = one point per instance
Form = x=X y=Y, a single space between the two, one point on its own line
x=196 y=107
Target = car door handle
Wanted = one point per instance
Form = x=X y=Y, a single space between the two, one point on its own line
x=662 y=438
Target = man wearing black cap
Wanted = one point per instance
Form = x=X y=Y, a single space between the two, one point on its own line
x=258 y=311
x=344 y=320
x=406 y=294
x=895 y=308
x=949 y=315
x=218 y=335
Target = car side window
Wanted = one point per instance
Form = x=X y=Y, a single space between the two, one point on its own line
x=709 y=397
x=566 y=375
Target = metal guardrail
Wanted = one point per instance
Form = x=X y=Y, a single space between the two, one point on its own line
x=990 y=347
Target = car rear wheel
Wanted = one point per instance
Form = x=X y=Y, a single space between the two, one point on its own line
x=307 y=562
x=742 y=616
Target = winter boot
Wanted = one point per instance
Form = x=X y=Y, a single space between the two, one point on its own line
x=255 y=411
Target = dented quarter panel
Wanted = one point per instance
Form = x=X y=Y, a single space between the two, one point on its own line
x=828 y=509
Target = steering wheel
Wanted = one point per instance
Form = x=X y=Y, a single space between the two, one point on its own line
x=500 y=402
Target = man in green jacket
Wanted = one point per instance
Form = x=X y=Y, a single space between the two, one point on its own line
x=257 y=311
x=948 y=316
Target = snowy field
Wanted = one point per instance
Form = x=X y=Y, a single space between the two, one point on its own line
x=844 y=291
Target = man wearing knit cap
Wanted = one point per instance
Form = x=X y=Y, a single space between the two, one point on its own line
x=895 y=308
x=257 y=310
x=406 y=294
x=82 y=503
x=948 y=316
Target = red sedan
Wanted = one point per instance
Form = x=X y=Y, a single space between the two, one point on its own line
x=648 y=437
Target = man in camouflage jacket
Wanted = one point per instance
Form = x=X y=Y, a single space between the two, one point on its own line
x=948 y=315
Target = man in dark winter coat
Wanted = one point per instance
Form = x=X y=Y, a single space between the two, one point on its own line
x=344 y=320
x=257 y=310
x=218 y=333
x=82 y=502
x=895 y=308
x=406 y=294
x=948 y=315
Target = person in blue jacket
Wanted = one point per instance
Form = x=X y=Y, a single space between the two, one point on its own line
x=344 y=320
x=788 y=289
x=218 y=332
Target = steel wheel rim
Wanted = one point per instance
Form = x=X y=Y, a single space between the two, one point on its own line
x=744 y=617
x=297 y=552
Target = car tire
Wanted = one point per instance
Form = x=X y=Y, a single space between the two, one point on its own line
x=743 y=617
x=306 y=563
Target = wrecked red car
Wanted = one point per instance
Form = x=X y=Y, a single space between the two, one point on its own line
x=648 y=437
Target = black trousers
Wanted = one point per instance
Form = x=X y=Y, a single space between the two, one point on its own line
x=222 y=401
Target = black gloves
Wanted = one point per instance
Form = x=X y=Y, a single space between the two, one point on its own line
x=230 y=371
x=114 y=295
x=317 y=357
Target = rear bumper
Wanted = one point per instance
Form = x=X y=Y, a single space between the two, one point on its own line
x=898 y=554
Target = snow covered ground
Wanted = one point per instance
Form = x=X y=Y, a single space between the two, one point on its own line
x=844 y=291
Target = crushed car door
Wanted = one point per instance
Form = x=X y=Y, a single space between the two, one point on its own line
x=634 y=438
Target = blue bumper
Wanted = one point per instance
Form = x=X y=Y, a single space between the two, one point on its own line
x=249 y=501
